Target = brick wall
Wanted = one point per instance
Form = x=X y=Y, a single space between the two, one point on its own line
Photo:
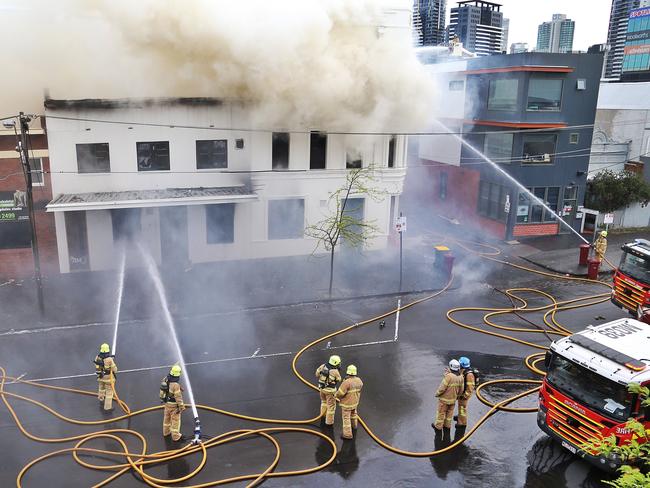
x=18 y=263
x=535 y=230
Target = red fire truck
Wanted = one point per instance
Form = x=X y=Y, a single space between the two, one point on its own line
x=632 y=280
x=585 y=393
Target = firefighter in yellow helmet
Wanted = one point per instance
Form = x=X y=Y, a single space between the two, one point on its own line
x=349 y=394
x=105 y=369
x=328 y=377
x=171 y=394
x=448 y=392
x=600 y=246
x=469 y=385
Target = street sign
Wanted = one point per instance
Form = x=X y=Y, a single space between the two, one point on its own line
x=609 y=218
x=506 y=207
x=400 y=224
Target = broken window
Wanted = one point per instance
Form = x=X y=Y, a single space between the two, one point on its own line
x=391 y=151
x=317 y=150
x=153 y=156
x=280 y=150
x=539 y=148
x=220 y=223
x=286 y=219
x=212 y=154
x=93 y=158
x=353 y=159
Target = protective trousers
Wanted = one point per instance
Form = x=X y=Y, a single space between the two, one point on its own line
x=106 y=392
x=462 y=412
x=328 y=405
x=444 y=415
x=172 y=421
x=349 y=421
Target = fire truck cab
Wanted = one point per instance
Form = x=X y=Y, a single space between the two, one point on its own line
x=632 y=280
x=585 y=395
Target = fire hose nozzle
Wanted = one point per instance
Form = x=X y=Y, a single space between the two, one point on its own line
x=197 y=431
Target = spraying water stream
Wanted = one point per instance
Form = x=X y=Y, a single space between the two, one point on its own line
x=120 y=293
x=160 y=290
x=513 y=180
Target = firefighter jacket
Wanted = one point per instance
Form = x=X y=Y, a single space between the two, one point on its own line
x=328 y=377
x=105 y=367
x=349 y=393
x=175 y=393
x=451 y=388
x=601 y=247
x=469 y=384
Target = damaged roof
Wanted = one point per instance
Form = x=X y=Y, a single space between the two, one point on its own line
x=113 y=103
x=149 y=198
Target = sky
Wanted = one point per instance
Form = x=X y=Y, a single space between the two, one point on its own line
x=591 y=18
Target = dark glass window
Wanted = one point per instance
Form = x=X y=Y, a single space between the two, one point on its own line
x=36 y=165
x=530 y=211
x=93 y=158
x=491 y=201
x=545 y=95
x=539 y=149
x=212 y=154
x=391 y=151
x=280 y=150
x=286 y=219
x=153 y=156
x=353 y=160
x=444 y=177
x=77 y=236
x=317 y=150
x=498 y=147
x=503 y=94
x=220 y=223
x=126 y=223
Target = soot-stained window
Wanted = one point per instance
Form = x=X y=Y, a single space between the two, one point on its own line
x=153 y=156
x=220 y=223
x=93 y=158
x=212 y=154
x=280 y=151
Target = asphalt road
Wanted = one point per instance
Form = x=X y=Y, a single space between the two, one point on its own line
x=241 y=361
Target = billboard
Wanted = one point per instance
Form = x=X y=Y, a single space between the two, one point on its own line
x=15 y=231
x=637 y=43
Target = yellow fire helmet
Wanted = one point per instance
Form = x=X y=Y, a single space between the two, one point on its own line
x=604 y=233
x=352 y=370
x=175 y=371
x=335 y=360
x=104 y=348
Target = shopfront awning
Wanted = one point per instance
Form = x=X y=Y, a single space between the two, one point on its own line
x=150 y=198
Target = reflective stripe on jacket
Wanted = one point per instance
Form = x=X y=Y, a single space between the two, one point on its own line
x=349 y=393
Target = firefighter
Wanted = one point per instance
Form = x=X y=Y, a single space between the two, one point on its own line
x=600 y=246
x=448 y=392
x=171 y=395
x=106 y=370
x=328 y=377
x=469 y=384
x=349 y=394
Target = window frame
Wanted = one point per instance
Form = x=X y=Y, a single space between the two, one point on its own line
x=552 y=154
x=229 y=234
x=276 y=136
x=280 y=236
x=323 y=136
x=532 y=205
x=208 y=168
x=90 y=145
x=137 y=152
x=499 y=133
x=37 y=173
x=541 y=78
x=491 y=201
x=492 y=82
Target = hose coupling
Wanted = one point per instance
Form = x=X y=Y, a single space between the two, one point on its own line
x=197 y=431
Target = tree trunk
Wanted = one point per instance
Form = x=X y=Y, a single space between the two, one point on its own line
x=331 y=271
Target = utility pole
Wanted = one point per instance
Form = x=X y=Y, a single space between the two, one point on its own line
x=24 y=120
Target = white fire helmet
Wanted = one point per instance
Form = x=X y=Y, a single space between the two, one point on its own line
x=454 y=365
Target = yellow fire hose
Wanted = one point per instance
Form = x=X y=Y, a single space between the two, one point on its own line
x=138 y=461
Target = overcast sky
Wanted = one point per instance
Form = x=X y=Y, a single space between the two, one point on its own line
x=591 y=18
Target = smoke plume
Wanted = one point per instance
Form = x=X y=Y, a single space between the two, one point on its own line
x=323 y=64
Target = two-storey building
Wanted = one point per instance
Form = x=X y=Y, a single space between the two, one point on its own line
x=532 y=114
x=193 y=182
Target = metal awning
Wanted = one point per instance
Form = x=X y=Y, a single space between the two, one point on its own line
x=150 y=198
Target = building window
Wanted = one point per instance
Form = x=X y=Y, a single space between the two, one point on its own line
x=317 y=150
x=444 y=177
x=280 y=150
x=545 y=95
x=220 y=223
x=529 y=211
x=492 y=201
x=456 y=85
x=574 y=138
x=239 y=143
x=77 y=237
x=286 y=219
x=392 y=143
x=126 y=223
x=211 y=154
x=353 y=159
x=153 y=156
x=503 y=94
x=498 y=147
x=539 y=148
x=37 y=171
x=93 y=158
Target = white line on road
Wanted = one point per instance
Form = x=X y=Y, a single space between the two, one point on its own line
x=399 y=306
x=256 y=352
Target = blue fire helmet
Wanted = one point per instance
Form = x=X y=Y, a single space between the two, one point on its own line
x=464 y=362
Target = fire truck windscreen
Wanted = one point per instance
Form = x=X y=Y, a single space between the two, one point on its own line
x=635 y=267
x=605 y=396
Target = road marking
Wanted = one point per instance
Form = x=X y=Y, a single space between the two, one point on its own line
x=399 y=306
x=256 y=352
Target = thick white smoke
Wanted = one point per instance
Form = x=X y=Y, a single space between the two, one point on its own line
x=326 y=64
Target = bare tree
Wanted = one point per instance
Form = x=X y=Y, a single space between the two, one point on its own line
x=342 y=225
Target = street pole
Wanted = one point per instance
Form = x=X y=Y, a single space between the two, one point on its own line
x=27 y=171
x=400 y=256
